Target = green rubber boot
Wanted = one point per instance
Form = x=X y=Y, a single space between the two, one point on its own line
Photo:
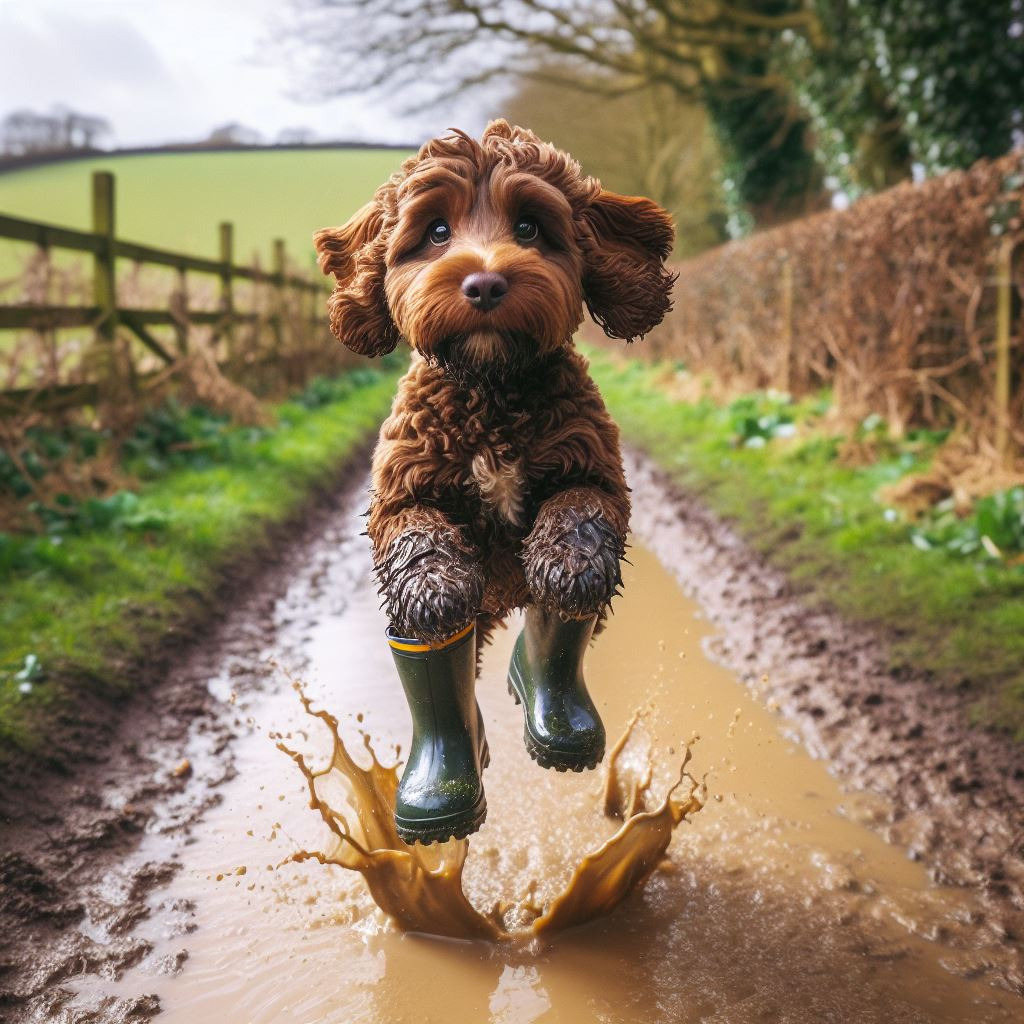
x=562 y=729
x=441 y=795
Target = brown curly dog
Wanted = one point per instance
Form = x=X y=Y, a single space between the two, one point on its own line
x=497 y=478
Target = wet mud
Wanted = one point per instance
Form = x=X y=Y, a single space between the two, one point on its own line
x=951 y=796
x=854 y=884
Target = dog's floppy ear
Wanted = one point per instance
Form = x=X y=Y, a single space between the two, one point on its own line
x=625 y=241
x=358 y=307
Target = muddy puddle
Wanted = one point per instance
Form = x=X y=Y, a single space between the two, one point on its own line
x=777 y=902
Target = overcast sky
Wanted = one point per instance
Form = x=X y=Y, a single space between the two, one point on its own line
x=167 y=70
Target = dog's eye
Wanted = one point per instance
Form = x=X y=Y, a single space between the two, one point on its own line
x=440 y=232
x=526 y=229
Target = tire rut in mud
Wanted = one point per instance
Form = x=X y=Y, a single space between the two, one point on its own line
x=954 y=795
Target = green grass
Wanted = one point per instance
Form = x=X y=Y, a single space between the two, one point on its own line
x=176 y=200
x=81 y=606
x=957 y=615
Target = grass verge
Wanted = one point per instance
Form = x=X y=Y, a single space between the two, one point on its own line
x=84 y=603
x=946 y=598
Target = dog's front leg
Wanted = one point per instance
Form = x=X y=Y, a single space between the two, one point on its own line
x=430 y=575
x=572 y=554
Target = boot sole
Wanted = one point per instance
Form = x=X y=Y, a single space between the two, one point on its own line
x=441 y=830
x=559 y=760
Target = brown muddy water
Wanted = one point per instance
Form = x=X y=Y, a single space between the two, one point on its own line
x=776 y=901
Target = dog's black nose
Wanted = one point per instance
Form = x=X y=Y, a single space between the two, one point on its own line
x=485 y=290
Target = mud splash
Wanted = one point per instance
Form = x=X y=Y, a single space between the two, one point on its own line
x=624 y=863
x=420 y=888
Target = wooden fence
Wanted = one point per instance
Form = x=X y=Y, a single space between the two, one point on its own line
x=297 y=301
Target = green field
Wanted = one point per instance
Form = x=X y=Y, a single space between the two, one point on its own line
x=176 y=200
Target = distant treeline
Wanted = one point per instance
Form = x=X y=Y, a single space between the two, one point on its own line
x=15 y=163
x=28 y=138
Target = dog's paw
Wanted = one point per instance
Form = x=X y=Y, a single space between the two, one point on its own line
x=432 y=584
x=572 y=561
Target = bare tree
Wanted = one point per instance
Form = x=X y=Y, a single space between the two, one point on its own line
x=233 y=134
x=25 y=132
x=712 y=51
x=75 y=130
x=299 y=136
x=432 y=47
x=87 y=129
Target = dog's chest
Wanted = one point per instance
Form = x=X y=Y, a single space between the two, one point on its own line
x=500 y=482
x=495 y=443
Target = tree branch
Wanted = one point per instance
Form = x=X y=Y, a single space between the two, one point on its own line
x=431 y=45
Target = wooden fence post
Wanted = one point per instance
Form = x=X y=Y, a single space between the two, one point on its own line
x=104 y=281
x=1004 y=283
x=280 y=264
x=49 y=337
x=112 y=380
x=179 y=310
x=227 y=299
x=314 y=311
x=315 y=299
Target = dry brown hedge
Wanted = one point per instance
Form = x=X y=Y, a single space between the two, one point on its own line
x=893 y=303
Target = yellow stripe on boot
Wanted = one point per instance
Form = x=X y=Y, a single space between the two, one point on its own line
x=402 y=644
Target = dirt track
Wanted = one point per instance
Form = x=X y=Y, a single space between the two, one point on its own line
x=77 y=899
x=958 y=794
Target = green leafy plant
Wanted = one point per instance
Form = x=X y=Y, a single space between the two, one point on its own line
x=995 y=528
x=759 y=418
x=907 y=82
x=120 y=511
x=1000 y=517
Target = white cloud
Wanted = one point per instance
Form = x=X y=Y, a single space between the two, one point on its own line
x=164 y=70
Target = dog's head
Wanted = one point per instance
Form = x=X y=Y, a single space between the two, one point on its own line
x=483 y=254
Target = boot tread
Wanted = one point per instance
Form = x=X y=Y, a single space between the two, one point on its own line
x=432 y=832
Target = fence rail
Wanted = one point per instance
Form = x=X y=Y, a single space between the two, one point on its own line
x=105 y=315
x=52 y=236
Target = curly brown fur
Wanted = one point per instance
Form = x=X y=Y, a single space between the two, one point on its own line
x=431 y=581
x=497 y=479
x=552 y=424
x=572 y=554
x=357 y=308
